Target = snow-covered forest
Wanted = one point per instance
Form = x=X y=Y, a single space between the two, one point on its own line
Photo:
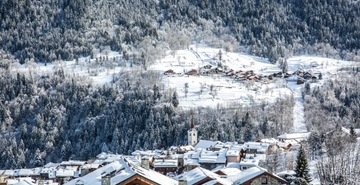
x=58 y=117
x=48 y=30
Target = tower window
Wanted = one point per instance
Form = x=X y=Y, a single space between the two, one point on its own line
x=264 y=180
x=194 y=134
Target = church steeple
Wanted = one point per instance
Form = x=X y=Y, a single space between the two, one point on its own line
x=192 y=122
x=192 y=133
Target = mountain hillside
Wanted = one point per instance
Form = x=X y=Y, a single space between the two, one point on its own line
x=48 y=30
x=80 y=77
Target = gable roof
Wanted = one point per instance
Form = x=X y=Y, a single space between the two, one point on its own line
x=21 y=181
x=232 y=153
x=249 y=174
x=72 y=163
x=123 y=169
x=212 y=156
x=218 y=182
x=252 y=173
x=199 y=174
x=9 y=173
x=94 y=178
x=131 y=170
x=228 y=171
x=206 y=144
x=165 y=163
x=27 y=172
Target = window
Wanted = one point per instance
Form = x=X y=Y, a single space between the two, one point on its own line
x=194 y=134
x=264 y=180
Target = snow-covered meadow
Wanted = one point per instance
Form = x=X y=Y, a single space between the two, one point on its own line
x=212 y=89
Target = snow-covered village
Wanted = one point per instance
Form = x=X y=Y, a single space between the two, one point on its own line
x=179 y=92
x=199 y=162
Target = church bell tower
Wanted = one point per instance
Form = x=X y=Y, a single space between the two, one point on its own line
x=192 y=134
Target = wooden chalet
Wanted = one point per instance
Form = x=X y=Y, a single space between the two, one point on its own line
x=200 y=176
x=300 y=81
x=233 y=156
x=165 y=166
x=192 y=72
x=123 y=172
x=169 y=72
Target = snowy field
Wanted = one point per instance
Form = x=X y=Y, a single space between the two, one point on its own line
x=213 y=88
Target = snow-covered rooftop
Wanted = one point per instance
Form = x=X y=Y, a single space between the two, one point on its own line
x=65 y=173
x=206 y=144
x=229 y=171
x=21 y=181
x=199 y=174
x=9 y=173
x=72 y=163
x=248 y=174
x=212 y=157
x=249 y=162
x=148 y=174
x=90 y=166
x=191 y=162
x=165 y=163
x=123 y=170
x=94 y=178
x=301 y=136
x=232 y=153
x=27 y=172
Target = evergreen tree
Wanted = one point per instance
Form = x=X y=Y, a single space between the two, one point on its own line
x=315 y=142
x=307 y=88
x=285 y=67
x=175 y=100
x=302 y=169
x=300 y=181
x=220 y=55
x=353 y=135
x=265 y=127
x=320 y=76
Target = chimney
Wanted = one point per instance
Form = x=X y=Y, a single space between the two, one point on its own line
x=145 y=162
x=105 y=180
x=183 y=182
x=79 y=182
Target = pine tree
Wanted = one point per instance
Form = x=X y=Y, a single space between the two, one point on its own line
x=302 y=169
x=285 y=67
x=175 y=100
x=353 y=135
x=320 y=76
x=307 y=88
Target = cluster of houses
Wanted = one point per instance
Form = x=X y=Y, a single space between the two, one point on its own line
x=248 y=75
x=200 y=162
x=304 y=76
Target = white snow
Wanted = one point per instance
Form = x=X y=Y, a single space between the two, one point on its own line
x=205 y=144
x=124 y=169
x=198 y=174
x=248 y=174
